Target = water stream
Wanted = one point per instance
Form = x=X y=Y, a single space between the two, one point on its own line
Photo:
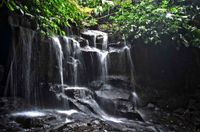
x=75 y=64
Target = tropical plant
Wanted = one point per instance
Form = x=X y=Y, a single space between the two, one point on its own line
x=151 y=21
x=95 y=9
x=49 y=15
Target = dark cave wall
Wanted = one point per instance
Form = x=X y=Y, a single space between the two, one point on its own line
x=166 y=74
x=13 y=29
x=5 y=45
x=5 y=35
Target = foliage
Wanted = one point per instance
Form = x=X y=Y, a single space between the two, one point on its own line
x=149 y=20
x=50 y=15
x=95 y=9
x=152 y=21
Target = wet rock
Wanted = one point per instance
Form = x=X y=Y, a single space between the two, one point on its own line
x=112 y=93
x=96 y=38
x=8 y=105
x=116 y=102
x=28 y=122
x=116 y=68
x=168 y=75
x=132 y=116
x=81 y=122
x=78 y=92
x=96 y=85
x=121 y=82
x=21 y=20
x=91 y=67
x=83 y=42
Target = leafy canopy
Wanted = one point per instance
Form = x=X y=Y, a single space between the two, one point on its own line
x=151 y=21
x=50 y=15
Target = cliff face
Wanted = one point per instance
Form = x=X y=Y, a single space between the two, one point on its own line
x=167 y=74
x=5 y=43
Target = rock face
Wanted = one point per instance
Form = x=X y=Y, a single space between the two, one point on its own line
x=16 y=115
x=166 y=74
x=39 y=69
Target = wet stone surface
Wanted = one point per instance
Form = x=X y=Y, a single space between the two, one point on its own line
x=50 y=120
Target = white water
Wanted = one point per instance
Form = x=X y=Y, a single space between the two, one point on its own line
x=59 y=54
x=95 y=34
x=104 y=65
x=103 y=59
x=74 y=59
x=94 y=105
x=67 y=112
x=77 y=88
x=29 y=114
x=130 y=63
x=103 y=55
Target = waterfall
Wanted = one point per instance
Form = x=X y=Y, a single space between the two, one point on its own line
x=102 y=52
x=124 y=55
x=74 y=58
x=103 y=68
x=131 y=66
x=59 y=56
x=27 y=50
x=132 y=80
x=71 y=69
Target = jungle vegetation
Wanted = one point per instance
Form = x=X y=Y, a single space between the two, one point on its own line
x=149 y=20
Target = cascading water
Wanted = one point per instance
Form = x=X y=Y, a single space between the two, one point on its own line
x=95 y=35
x=131 y=67
x=20 y=69
x=59 y=54
x=74 y=58
x=103 y=56
x=124 y=55
x=102 y=52
x=94 y=81
x=74 y=63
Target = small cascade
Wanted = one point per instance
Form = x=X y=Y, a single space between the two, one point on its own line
x=131 y=66
x=74 y=58
x=100 y=43
x=132 y=80
x=75 y=63
x=124 y=55
x=83 y=98
x=103 y=57
x=59 y=55
x=96 y=37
